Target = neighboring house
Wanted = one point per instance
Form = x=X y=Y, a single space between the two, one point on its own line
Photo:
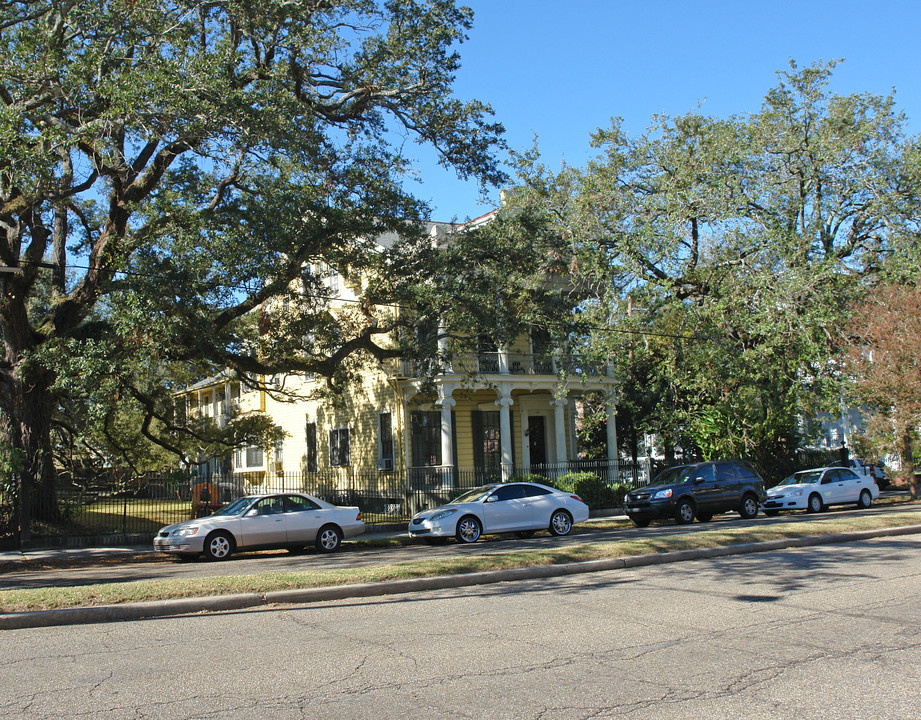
x=496 y=412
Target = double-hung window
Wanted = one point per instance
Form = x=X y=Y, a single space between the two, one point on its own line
x=339 y=447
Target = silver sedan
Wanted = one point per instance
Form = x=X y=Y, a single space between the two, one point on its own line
x=256 y=522
x=522 y=508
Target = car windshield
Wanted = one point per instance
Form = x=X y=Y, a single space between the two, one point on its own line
x=475 y=495
x=669 y=476
x=808 y=477
x=236 y=507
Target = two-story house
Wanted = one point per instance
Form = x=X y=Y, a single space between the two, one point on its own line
x=495 y=413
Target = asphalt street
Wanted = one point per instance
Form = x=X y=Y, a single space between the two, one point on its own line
x=812 y=633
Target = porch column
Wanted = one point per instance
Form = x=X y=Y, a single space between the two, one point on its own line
x=447 y=446
x=613 y=454
x=503 y=359
x=504 y=401
x=443 y=346
x=559 y=429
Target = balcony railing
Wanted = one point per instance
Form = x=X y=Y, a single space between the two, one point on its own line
x=497 y=363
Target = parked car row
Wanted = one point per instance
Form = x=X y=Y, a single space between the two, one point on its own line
x=685 y=492
x=296 y=520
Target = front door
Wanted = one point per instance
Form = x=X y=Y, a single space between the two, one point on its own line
x=537 y=440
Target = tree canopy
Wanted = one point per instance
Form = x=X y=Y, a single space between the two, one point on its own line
x=727 y=251
x=166 y=168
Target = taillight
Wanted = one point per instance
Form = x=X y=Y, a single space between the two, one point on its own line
x=576 y=497
x=358 y=516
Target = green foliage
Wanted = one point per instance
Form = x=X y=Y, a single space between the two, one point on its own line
x=184 y=168
x=594 y=491
x=725 y=254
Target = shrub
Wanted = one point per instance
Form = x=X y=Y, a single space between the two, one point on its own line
x=594 y=491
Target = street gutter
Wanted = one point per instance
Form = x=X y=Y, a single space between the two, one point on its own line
x=223 y=603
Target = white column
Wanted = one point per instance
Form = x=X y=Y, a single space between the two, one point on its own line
x=614 y=469
x=447 y=446
x=503 y=359
x=559 y=428
x=504 y=401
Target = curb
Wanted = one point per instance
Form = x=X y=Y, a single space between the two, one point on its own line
x=186 y=606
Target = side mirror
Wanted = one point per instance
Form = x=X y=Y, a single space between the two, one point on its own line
x=491 y=498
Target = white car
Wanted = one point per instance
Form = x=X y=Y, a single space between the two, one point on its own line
x=257 y=522
x=814 y=490
x=522 y=508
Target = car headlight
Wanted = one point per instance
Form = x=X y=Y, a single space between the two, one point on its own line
x=442 y=515
x=662 y=495
x=794 y=493
x=186 y=532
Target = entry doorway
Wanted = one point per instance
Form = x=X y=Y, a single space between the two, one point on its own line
x=537 y=440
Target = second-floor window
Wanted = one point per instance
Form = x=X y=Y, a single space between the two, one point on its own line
x=339 y=447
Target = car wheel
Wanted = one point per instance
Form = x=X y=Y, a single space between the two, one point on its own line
x=328 y=539
x=704 y=517
x=684 y=512
x=865 y=499
x=749 y=507
x=560 y=523
x=218 y=545
x=772 y=513
x=468 y=529
x=640 y=522
x=525 y=534
x=815 y=503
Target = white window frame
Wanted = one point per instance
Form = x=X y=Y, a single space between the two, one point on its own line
x=241 y=458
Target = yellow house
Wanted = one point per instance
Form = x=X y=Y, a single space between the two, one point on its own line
x=496 y=412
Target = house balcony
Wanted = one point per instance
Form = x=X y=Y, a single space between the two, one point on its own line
x=521 y=364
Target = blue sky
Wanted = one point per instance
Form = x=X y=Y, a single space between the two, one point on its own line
x=561 y=70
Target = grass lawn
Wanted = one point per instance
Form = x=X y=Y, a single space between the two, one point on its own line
x=712 y=536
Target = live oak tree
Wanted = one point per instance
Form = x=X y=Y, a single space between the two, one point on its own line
x=728 y=250
x=167 y=172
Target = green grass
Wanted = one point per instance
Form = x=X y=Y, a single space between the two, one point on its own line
x=713 y=536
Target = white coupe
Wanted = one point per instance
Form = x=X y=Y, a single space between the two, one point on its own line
x=522 y=508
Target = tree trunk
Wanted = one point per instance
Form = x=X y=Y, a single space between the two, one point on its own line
x=908 y=464
x=26 y=426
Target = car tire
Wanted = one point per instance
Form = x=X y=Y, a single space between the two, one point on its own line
x=749 y=507
x=684 y=512
x=329 y=538
x=525 y=534
x=772 y=513
x=468 y=529
x=560 y=523
x=704 y=516
x=815 y=504
x=219 y=545
x=640 y=522
x=865 y=500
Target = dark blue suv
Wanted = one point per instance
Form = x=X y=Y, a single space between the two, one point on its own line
x=700 y=491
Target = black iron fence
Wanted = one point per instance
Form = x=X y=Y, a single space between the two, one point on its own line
x=142 y=505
